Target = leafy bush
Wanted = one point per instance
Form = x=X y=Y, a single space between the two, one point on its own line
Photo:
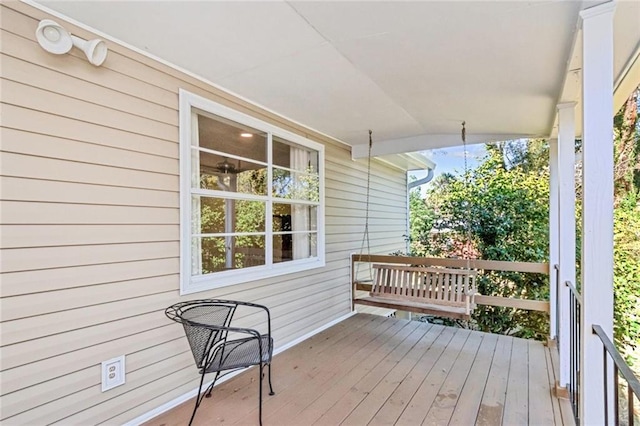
x=498 y=211
x=626 y=281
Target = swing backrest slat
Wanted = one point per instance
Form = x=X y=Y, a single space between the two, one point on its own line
x=442 y=286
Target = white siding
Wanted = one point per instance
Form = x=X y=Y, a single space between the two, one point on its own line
x=90 y=231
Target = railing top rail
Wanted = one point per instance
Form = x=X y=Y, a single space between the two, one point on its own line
x=493 y=265
x=623 y=368
x=574 y=290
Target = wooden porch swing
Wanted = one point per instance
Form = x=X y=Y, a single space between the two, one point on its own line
x=401 y=284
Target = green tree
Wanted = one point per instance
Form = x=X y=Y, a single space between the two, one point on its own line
x=421 y=219
x=499 y=211
x=626 y=226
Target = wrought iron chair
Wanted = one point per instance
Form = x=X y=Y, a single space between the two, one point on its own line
x=207 y=324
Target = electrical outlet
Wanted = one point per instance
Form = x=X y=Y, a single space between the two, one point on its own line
x=113 y=372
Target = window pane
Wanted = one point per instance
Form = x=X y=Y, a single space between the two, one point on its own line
x=282 y=248
x=295 y=186
x=288 y=247
x=230 y=137
x=219 y=215
x=293 y=156
x=222 y=174
x=294 y=217
x=224 y=253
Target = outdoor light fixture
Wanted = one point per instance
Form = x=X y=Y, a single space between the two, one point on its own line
x=246 y=135
x=55 y=39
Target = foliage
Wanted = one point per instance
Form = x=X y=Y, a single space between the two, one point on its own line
x=498 y=211
x=626 y=227
x=421 y=219
x=626 y=281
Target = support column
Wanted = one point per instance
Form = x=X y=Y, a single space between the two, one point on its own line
x=567 y=225
x=554 y=238
x=597 y=208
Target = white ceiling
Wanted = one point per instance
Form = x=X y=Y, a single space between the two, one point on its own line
x=410 y=71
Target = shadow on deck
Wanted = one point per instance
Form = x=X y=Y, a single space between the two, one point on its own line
x=372 y=370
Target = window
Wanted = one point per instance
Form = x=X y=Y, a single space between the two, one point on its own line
x=251 y=198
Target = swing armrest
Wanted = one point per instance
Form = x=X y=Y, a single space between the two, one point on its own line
x=470 y=300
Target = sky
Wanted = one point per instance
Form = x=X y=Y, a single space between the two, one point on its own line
x=451 y=160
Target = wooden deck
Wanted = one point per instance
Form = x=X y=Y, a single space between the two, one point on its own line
x=375 y=370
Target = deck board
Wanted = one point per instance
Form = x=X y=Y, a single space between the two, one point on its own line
x=398 y=400
x=540 y=406
x=557 y=415
x=350 y=399
x=449 y=393
x=493 y=398
x=375 y=399
x=476 y=382
x=331 y=396
x=371 y=370
x=516 y=407
x=419 y=405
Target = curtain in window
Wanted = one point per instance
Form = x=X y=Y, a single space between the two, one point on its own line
x=196 y=225
x=299 y=160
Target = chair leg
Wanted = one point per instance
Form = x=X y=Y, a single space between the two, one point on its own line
x=271 y=392
x=210 y=388
x=260 y=400
x=198 y=399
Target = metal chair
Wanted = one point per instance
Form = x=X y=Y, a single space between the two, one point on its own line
x=207 y=324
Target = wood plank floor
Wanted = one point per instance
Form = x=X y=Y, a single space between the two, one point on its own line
x=371 y=370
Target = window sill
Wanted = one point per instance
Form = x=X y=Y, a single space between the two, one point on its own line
x=196 y=284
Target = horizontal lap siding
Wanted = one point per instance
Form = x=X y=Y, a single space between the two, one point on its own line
x=89 y=183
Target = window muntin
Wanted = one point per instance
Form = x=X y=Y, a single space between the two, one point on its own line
x=256 y=201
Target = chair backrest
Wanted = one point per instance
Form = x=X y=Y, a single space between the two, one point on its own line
x=423 y=284
x=203 y=321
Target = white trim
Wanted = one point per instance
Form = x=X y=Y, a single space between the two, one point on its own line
x=597 y=211
x=178 y=68
x=428 y=141
x=226 y=278
x=190 y=283
x=566 y=228
x=600 y=9
x=564 y=105
x=225 y=154
x=187 y=396
x=214 y=193
x=554 y=236
x=216 y=108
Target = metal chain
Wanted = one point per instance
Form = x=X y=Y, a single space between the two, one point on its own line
x=365 y=235
x=465 y=254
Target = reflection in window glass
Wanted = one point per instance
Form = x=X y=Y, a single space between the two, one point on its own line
x=219 y=215
x=225 y=253
x=294 y=217
x=293 y=246
x=295 y=186
x=293 y=156
x=223 y=174
x=220 y=134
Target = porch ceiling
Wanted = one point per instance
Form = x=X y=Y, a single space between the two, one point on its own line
x=411 y=71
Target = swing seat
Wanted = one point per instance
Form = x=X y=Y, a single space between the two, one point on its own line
x=437 y=291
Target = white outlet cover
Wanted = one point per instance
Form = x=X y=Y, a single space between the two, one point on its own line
x=113 y=373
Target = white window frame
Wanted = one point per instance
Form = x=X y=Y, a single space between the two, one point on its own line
x=192 y=284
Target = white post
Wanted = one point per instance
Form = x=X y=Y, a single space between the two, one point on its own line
x=554 y=237
x=597 y=209
x=567 y=224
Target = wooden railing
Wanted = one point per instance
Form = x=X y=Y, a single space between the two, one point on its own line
x=487 y=265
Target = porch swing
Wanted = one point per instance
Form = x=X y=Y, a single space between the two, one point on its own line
x=409 y=283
